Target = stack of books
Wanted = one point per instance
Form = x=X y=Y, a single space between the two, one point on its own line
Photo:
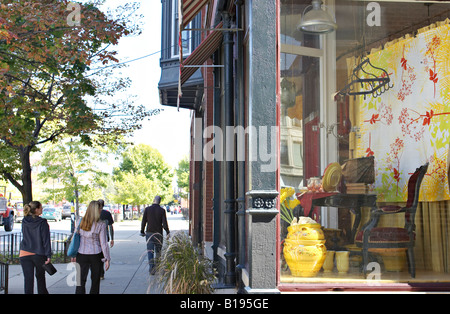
x=357 y=188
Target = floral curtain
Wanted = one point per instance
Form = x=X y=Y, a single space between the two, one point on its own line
x=409 y=124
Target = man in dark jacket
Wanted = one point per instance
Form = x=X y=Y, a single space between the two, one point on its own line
x=155 y=219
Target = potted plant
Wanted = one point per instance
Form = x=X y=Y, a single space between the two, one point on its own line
x=181 y=269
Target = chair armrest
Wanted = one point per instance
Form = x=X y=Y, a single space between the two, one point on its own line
x=388 y=209
x=391 y=209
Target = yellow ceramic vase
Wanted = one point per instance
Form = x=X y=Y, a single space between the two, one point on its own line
x=305 y=232
x=304 y=249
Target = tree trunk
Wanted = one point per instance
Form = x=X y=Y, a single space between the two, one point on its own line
x=27 y=192
x=26 y=188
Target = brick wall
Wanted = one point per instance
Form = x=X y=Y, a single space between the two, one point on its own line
x=208 y=168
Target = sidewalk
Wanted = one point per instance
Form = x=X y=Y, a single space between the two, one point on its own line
x=128 y=272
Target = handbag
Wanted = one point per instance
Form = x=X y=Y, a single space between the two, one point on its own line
x=49 y=268
x=75 y=243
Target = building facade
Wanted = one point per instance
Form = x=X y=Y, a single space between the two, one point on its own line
x=276 y=108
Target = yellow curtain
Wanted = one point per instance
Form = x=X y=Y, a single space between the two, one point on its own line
x=432 y=249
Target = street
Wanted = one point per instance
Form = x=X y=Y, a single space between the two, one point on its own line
x=128 y=273
x=62 y=226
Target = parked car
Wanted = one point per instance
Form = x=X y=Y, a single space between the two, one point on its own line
x=66 y=211
x=51 y=213
x=7 y=218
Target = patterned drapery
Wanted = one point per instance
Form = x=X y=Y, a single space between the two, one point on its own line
x=409 y=124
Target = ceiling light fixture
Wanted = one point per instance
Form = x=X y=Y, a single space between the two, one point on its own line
x=317 y=20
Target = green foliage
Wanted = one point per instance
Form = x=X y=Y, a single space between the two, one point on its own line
x=134 y=189
x=183 y=172
x=47 y=86
x=144 y=169
x=182 y=270
x=73 y=166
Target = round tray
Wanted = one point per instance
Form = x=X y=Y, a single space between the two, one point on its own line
x=331 y=177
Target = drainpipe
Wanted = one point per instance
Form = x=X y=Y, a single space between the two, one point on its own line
x=217 y=186
x=230 y=201
x=240 y=171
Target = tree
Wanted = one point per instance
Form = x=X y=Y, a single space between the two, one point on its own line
x=74 y=165
x=46 y=80
x=147 y=161
x=182 y=173
x=135 y=189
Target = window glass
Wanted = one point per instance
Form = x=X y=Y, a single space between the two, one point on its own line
x=186 y=35
x=291 y=12
x=297 y=154
x=389 y=62
x=300 y=118
x=284 y=153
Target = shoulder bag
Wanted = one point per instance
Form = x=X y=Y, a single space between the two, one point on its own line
x=75 y=243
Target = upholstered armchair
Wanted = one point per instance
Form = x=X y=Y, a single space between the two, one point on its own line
x=372 y=238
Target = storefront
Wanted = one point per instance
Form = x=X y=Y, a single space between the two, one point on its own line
x=356 y=111
x=362 y=108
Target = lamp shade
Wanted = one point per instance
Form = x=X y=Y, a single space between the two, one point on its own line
x=316 y=20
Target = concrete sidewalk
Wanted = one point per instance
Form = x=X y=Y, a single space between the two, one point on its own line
x=128 y=272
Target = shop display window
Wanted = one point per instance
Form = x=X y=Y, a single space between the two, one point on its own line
x=364 y=129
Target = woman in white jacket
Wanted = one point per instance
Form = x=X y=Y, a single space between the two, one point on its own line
x=93 y=249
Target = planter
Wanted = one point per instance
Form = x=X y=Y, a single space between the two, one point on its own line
x=304 y=261
x=305 y=232
x=304 y=249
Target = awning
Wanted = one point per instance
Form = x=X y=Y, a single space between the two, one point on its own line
x=191 y=8
x=199 y=56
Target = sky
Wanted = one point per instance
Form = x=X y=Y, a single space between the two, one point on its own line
x=168 y=132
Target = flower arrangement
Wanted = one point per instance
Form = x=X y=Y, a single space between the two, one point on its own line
x=287 y=205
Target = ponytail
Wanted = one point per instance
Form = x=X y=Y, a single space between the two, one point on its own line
x=30 y=209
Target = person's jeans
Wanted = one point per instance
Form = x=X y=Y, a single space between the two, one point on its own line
x=154 y=245
x=92 y=262
x=31 y=266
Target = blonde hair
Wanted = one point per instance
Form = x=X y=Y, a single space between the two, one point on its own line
x=30 y=209
x=92 y=215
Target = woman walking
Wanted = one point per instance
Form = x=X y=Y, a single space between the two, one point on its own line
x=93 y=249
x=35 y=248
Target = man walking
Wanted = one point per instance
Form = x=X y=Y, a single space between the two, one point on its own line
x=155 y=219
x=106 y=217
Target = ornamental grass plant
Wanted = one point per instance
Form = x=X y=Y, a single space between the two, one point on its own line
x=181 y=269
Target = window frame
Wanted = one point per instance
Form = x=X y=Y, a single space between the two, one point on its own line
x=174 y=49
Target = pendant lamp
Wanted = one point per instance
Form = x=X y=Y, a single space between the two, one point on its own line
x=317 y=20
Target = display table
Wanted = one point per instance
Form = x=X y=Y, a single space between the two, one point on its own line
x=311 y=201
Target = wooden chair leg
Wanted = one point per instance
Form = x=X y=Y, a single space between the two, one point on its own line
x=411 y=262
x=365 y=256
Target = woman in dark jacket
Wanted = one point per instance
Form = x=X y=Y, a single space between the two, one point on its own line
x=35 y=248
